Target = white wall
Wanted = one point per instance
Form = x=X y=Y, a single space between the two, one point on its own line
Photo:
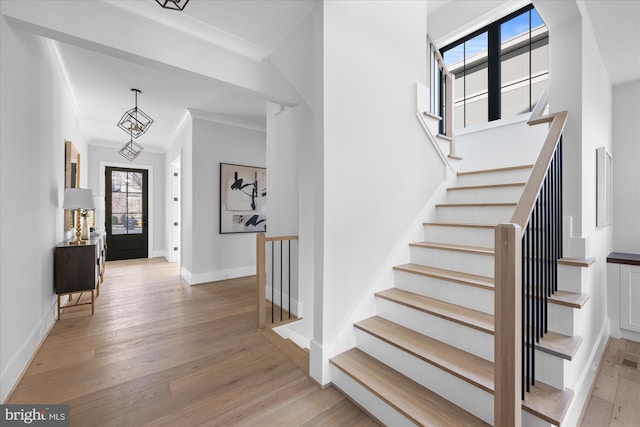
x=215 y=256
x=596 y=130
x=100 y=156
x=37 y=116
x=516 y=142
x=379 y=168
x=626 y=173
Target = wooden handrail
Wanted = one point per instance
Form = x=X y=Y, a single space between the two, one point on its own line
x=534 y=183
x=261 y=273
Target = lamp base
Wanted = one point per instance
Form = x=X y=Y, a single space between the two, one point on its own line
x=78 y=240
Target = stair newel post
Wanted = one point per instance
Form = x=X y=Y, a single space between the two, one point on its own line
x=261 y=278
x=508 y=326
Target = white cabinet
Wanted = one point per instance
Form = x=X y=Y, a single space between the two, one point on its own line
x=630 y=297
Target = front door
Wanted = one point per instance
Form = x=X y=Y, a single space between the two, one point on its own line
x=126 y=213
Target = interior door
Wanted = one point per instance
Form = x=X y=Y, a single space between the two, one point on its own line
x=126 y=207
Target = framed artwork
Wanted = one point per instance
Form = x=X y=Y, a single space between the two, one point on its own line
x=243 y=199
x=604 y=188
x=71 y=177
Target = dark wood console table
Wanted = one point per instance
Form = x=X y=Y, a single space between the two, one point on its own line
x=79 y=268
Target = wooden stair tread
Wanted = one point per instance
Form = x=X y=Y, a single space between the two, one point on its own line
x=455 y=157
x=433 y=116
x=472 y=205
x=419 y=404
x=471 y=318
x=577 y=262
x=452 y=247
x=466 y=366
x=510 y=168
x=449 y=275
x=486 y=186
x=569 y=299
x=547 y=402
x=559 y=345
x=452 y=224
x=553 y=343
x=445 y=137
x=416 y=401
x=542 y=400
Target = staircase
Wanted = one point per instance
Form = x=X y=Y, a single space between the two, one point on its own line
x=426 y=357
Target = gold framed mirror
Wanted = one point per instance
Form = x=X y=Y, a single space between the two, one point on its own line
x=71 y=177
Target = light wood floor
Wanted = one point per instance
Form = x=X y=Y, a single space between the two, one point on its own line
x=160 y=353
x=615 y=398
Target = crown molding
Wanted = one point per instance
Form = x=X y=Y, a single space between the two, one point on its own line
x=227 y=120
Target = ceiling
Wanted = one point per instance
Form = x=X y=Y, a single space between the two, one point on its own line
x=101 y=84
x=252 y=29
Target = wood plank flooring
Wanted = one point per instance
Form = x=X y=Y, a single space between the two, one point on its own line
x=615 y=397
x=158 y=352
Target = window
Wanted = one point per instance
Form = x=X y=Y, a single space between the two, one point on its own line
x=501 y=69
x=126 y=202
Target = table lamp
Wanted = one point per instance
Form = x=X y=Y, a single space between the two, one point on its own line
x=78 y=198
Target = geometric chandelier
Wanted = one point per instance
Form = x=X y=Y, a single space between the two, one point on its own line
x=134 y=121
x=173 y=4
x=131 y=150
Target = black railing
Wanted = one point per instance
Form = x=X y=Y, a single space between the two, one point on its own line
x=279 y=279
x=541 y=249
x=275 y=257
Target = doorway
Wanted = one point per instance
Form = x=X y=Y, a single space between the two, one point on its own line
x=126 y=211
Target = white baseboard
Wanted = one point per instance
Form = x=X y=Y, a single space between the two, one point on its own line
x=285 y=332
x=16 y=367
x=630 y=335
x=159 y=254
x=214 y=276
x=583 y=386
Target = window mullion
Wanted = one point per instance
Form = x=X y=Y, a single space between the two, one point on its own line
x=493 y=68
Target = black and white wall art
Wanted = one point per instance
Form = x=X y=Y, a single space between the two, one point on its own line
x=243 y=199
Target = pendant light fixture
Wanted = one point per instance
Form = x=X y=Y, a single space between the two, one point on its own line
x=131 y=150
x=134 y=121
x=173 y=4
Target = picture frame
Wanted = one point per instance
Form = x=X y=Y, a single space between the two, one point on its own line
x=243 y=199
x=604 y=188
x=71 y=177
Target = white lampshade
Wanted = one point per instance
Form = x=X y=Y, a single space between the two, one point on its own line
x=78 y=198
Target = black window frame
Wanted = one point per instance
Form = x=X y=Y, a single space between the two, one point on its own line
x=493 y=59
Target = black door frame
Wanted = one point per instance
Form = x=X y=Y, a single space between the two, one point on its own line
x=145 y=235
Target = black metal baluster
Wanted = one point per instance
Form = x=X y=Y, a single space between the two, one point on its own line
x=273 y=285
x=289 y=264
x=281 y=280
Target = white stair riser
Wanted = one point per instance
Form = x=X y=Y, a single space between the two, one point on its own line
x=474 y=214
x=367 y=400
x=550 y=369
x=485 y=195
x=530 y=420
x=460 y=336
x=470 y=236
x=571 y=278
x=444 y=145
x=503 y=177
x=464 y=262
x=461 y=393
x=562 y=319
x=433 y=125
x=456 y=293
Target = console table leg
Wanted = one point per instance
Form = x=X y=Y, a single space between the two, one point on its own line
x=92 y=301
x=58 y=307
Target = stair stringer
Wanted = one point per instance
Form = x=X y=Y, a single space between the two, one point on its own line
x=345 y=337
x=422 y=93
